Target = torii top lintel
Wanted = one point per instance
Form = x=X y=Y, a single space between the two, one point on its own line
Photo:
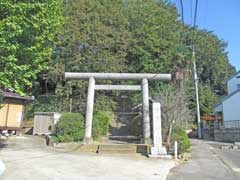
x=118 y=76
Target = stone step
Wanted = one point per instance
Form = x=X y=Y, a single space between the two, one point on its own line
x=105 y=148
x=117 y=147
x=116 y=151
x=124 y=137
x=122 y=140
x=120 y=149
x=123 y=148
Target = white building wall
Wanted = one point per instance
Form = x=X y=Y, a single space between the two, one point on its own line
x=218 y=108
x=231 y=108
x=232 y=84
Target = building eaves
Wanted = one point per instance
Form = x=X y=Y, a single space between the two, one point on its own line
x=226 y=97
x=235 y=74
x=16 y=96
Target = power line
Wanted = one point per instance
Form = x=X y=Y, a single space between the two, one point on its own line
x=195 y=19
x=181 y=3
x=191 y=12
x=195 y=15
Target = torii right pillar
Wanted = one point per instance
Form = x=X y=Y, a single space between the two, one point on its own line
x=145 y=110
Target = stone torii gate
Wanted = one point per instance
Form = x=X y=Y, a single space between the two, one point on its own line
x=144 y=77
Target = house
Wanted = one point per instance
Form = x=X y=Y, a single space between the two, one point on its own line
x=11 y=111
x=228 y=108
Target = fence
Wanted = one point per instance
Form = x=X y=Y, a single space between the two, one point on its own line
x=229 y=131
x=235 y=124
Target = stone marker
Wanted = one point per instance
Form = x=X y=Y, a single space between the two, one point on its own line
x=157 y=150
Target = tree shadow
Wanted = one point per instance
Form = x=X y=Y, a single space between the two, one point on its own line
x=3 y=143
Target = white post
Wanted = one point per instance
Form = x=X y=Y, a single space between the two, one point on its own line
x=176 y=150
x=145 y=105
x=70 y=105
x=89 y=111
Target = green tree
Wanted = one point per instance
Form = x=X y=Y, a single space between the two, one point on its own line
x=212 y=62
x=135 y=36
x=27 y=30
x=94 y=39
x=207 y=99
x=156 y=43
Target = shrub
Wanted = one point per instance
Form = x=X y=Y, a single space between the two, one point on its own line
x=55 y=139
x=70 y=127
x=179 y=135
x=101 y=121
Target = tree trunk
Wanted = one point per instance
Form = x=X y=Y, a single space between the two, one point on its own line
x=169 y=134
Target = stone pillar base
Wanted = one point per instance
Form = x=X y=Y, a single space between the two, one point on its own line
x=146 y=141
x=87 y=140
x=159 y=152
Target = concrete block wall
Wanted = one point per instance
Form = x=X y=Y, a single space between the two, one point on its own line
x=207 y=134
x=222 y=134
x=227 y=135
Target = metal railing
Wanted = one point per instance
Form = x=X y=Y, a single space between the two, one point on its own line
x=233 y=124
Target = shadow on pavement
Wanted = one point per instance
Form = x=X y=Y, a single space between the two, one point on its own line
x=3 y=143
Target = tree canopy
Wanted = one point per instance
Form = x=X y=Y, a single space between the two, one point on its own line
x=123 y=36
x=27 y=30
x=106 y=36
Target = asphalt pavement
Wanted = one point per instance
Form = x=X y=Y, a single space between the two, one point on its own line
x=208 y=162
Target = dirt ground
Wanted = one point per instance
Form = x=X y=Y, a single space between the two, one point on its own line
x=27 y=158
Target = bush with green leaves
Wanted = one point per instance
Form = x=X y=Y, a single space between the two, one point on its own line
x=57 y=138
x=101 y=122
x=180 y=135
x=70 y=127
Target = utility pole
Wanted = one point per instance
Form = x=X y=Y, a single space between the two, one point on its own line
x=199 y=132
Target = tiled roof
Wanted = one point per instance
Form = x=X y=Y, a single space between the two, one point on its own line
x=16 y=96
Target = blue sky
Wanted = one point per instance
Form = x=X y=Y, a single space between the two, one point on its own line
x=220 y=16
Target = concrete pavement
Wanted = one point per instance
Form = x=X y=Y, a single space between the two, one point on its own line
x=28 y=162
x=206 y=164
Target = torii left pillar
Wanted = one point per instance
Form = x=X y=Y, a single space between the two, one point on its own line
x=145 y=110
x=89 y=110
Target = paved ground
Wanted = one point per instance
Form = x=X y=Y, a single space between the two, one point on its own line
x=208 y=163
x=28 y=162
